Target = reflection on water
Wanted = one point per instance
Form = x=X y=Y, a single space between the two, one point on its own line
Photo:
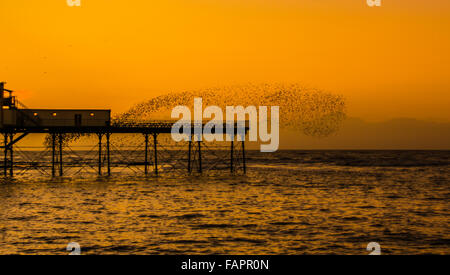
x=291 y=202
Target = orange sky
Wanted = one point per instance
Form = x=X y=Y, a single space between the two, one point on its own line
x=391 y=61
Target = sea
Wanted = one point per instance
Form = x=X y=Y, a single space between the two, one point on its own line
x=287 y=202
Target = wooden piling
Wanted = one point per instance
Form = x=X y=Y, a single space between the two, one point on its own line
x=155 y=153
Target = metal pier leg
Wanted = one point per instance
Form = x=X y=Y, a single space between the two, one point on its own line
x=156 y=155
x=5 y=161
x=11 y=155
x=99 y=154
x=199 y=157
x=189 y=156
x=146 y=155
x=108 y=153
x=60 y=155
x=231 y=156
x=243 y=157
x=53 y=154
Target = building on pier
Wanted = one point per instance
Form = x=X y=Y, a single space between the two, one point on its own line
x=12 y=116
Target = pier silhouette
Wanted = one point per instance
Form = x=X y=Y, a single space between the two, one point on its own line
x=18 y=121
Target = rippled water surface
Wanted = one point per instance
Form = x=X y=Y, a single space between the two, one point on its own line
x=290 y=202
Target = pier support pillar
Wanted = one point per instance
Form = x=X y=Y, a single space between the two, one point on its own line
x=237 y=156
x=189 y=156
x=243 y=157
x=5 y=159
x=8 y=147
x=146 y=154
x=232 y=156
x=11 y=155
x=60 y=137
x=195 y=156
x=155 y=142
x=100 y=135
x=199 y=156
x=53 y=154
x=108 y=157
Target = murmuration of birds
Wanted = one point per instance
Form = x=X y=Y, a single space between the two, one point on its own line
x=310 y=111
x=306 y=110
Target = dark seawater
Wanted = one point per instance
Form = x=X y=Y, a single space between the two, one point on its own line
x=290 y=202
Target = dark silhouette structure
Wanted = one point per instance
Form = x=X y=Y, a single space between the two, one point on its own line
x=17 y=121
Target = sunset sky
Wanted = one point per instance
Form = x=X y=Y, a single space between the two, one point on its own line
x=389 y=61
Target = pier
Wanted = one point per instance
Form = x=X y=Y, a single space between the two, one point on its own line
x=17 y=121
